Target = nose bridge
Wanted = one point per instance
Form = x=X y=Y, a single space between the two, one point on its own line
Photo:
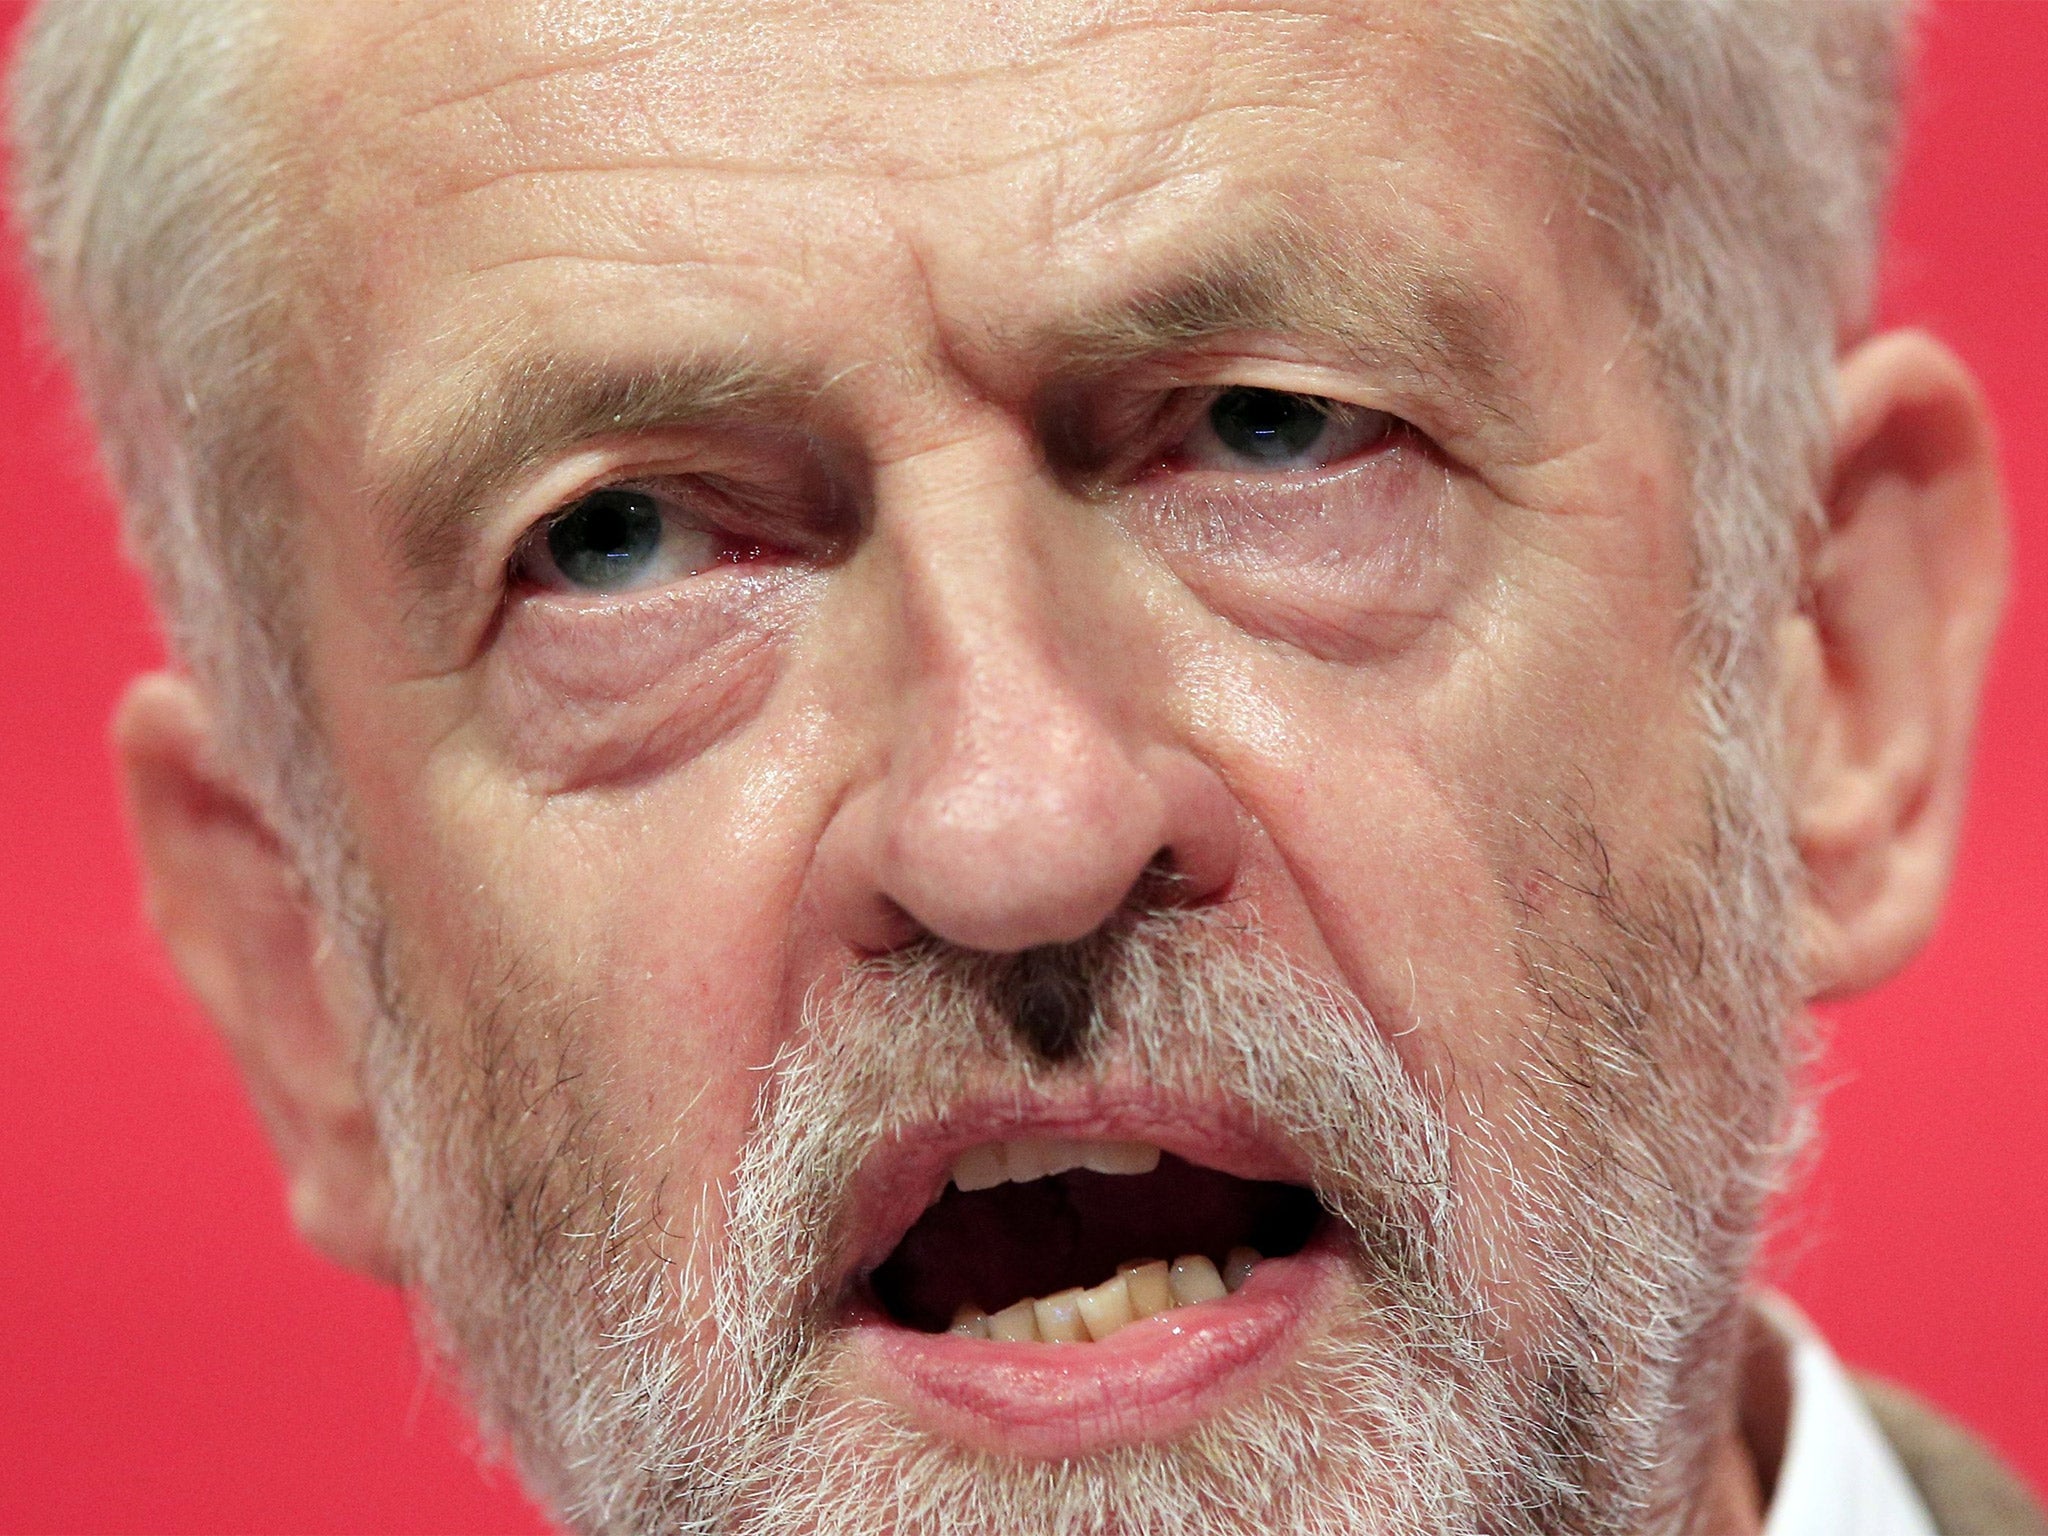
x=1000 y=675
x=1026 y=779
x=1015 y=813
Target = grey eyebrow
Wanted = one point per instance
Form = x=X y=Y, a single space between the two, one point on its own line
x=1394 y=306
x=521 y=415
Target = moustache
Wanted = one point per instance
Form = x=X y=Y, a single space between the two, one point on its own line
x=1190 y=1007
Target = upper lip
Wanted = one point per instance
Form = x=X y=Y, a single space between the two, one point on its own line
x=906 y=1173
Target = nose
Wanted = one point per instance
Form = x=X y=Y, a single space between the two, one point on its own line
x=1024 y=779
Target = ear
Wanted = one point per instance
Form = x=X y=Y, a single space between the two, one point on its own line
x=1883 y=665
x=233 y=912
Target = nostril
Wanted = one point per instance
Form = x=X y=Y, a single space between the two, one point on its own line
x=891 y=928
x=843 y=890
x=1197 y=859
x=1164 y=883
x=1022 y=851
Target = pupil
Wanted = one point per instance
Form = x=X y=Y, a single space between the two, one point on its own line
x=1265 y=424
x=606 y=538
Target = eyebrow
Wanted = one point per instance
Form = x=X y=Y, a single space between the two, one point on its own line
x=538 y=408
x=1396 y=306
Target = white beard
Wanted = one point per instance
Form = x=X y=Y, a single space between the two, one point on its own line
x=665 y=1370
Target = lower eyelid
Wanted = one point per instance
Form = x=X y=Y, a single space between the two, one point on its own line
x=1217 y=499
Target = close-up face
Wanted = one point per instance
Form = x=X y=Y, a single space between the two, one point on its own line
x=1060 y=767
x=966 y=647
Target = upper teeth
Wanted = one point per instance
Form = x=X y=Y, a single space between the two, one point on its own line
x=1018 y=1162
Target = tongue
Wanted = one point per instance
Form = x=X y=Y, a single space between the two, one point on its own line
x=993 y=1247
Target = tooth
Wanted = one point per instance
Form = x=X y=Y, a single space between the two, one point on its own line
x=970 y=1322
x=1193 y=1278
x=980 y=1167
x=1150 y=1287
x=1062 y=1156
x=1025 y=1160
x=1014 y=1325
x=1237 y=1264
x=1120 y=1156
x=1106 y=1308
x=1059 y=1318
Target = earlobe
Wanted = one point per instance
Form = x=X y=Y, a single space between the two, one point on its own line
x=228 y=901
x=1882 y=667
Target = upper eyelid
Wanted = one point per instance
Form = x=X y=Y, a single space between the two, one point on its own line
x=533 y=531
x=658 y=486
x=1204 y=392
x=1177 y=409
x=790 y=515
x=661 y=486
x=525 y=516
x=708 y=459
x=1228 y=369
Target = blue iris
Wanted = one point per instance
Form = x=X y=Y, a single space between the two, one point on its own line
x=1267 y=426
x=606 y=540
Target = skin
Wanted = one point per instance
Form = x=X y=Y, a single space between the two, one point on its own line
x=985 y=687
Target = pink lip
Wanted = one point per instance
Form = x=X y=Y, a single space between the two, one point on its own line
x=1154 y=1380
x=907 y=1176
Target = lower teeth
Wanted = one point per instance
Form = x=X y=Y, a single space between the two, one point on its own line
x=1139 y=1289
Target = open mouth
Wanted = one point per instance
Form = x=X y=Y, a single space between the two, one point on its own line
x=1068 y=1242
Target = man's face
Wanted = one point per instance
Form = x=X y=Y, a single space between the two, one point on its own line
x=804 y=504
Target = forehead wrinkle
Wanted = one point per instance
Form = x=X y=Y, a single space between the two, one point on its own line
x=597 y=60
x=644 y=103
x=840 y=55
x=455 y=459
x=837 y=165
x=455 y=54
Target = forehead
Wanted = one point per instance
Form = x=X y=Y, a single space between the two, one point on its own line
x=889 y=87
x=875 y=182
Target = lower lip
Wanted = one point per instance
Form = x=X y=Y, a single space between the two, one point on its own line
x=1154 y=1380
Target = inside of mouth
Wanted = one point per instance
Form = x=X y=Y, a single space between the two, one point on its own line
x=988 y=1249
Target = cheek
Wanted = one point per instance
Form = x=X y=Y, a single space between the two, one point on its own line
x=1352 y=570
x=596 y=834
x=581 y=696
x=1426 y=815
x=573 y=954
x=637 y=931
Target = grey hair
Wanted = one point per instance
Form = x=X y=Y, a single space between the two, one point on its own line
x=1737 y=150
x=148 y=193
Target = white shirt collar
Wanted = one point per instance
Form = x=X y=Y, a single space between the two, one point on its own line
x=1838 y=1476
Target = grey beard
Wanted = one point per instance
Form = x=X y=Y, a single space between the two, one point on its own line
x=664 y=1370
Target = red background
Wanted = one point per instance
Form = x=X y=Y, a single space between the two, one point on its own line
x=171 y=1359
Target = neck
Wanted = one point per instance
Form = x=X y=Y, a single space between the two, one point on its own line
x=1731 y=1501
x=1742 y=1462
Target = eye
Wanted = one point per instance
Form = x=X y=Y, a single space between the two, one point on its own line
x=618 y=539
x=1270 y=429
